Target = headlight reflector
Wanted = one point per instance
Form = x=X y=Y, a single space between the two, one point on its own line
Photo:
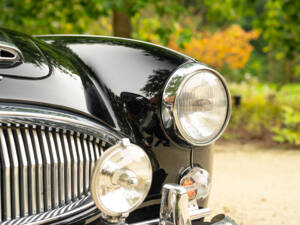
x=121 y=179
x=201 y=107
x=198 y=101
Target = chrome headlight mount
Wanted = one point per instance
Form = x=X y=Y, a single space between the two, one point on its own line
x=195 y=106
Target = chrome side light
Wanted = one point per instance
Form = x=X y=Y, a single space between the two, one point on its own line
x=195 y=106
x=197 y=183
x=121 y=180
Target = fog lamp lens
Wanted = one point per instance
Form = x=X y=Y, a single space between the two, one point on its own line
x=121 y=179
x=197 y=183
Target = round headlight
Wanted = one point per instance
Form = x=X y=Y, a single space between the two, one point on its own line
x=197 y=102
x=121 y=179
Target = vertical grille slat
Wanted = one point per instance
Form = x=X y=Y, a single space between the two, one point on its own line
x=54 y=175
x=92 y=154
x=61 y=167
x=15 y=175
x=80 y=165
x=101 y=147
x=39 y=171
x=6 y=184
x=32 y=172
x=46 y=169
x=74 y=164
x=96 y=148
x=86 y=163
x=43 y=168
x=68 y=173
x=23 y=172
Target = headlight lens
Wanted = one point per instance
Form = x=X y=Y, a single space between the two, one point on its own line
x=197 y=99
x=121 y=179
x=201 y=107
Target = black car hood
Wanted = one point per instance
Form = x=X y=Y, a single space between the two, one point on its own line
x=116 y=81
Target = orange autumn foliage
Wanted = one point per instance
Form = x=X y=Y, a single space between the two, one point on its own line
x=228 y=47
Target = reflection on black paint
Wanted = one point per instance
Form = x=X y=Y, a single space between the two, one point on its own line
x=138 y=115
x=155 y=83
x=159 y=53
x=34 y=65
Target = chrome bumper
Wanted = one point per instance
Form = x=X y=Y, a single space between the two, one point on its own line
x=220 y=219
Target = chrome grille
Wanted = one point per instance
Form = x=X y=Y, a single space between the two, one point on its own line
x=44 y=168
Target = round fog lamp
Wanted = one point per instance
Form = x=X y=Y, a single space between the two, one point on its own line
x=121 y=179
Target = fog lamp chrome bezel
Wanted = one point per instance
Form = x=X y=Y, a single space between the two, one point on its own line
x=169 y=115
x=109 y=214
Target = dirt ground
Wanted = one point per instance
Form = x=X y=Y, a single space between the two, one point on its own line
x=256 y=186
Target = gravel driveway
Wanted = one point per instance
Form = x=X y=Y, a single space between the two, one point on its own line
x=255 y=186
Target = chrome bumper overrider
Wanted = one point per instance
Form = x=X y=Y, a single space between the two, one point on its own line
x=176 y=210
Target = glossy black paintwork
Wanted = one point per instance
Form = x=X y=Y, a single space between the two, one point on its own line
x=117 y=82
x=34 y=64
x=123 y=67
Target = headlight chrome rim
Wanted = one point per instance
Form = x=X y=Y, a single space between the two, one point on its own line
x=170 y=121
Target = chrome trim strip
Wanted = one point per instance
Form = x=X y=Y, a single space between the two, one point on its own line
x=147 y=222
x=51 y=118
x=6 y=177
x=220 y=219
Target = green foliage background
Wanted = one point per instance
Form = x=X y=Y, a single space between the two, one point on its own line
x=269 y=82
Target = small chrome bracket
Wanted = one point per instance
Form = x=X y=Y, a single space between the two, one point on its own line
x=10 y=55
x=174 y=208
x=125 y=142
x=114 y=219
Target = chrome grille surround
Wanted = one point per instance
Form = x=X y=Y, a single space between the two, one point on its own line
x=46 y=160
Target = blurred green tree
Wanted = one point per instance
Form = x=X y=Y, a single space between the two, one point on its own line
x=75 y=16
x=278 y=21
